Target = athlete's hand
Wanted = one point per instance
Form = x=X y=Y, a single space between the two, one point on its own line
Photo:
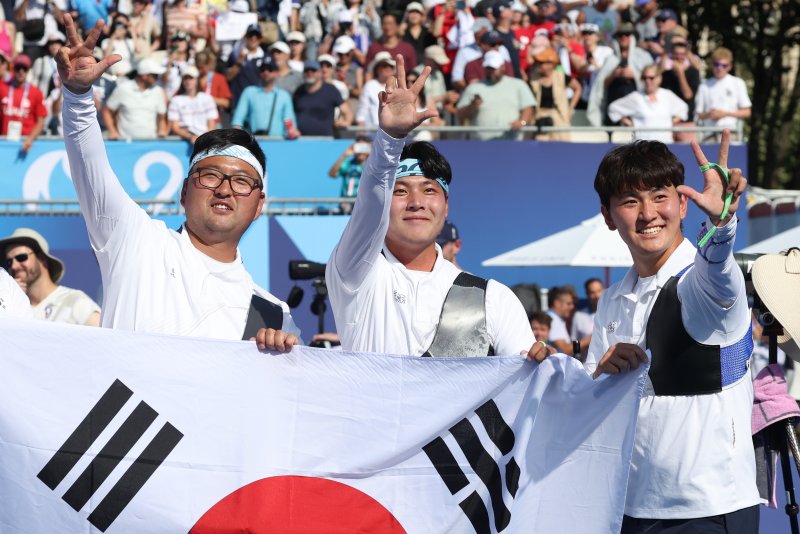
x=712 y=199
x=271 y=339
x=76 y=64
x=397 y=111
x=539 y=351
x=620 y=358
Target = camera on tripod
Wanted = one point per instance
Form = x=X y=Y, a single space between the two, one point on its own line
x=310 y=270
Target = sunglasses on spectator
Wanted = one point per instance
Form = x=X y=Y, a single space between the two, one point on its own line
x=721 y=65
x=21 y=258
x=21 y=67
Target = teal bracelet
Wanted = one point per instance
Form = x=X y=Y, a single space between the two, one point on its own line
x=728 y=198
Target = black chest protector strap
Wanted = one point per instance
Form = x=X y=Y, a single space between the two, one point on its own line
x=462 y=324
x=682 y=366
x=262 y=314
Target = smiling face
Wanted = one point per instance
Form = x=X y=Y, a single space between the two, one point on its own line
x=216 y=216
x=28 y=271
x=417 y=215
x=649 y=222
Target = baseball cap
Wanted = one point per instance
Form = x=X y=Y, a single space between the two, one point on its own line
x=449 y=233
x=37 y=243
x=327 y=58
x=492 y=38
x=415 y=6
x=311 y=64
x=345 y=16
x=253 y=29
x=666 y=14
x=482 y=23
x=280 y=46
x=23 y=60
x=295 y=36
x=437 y=53
x=382 y=57
x=149 y=66
x=57 y=36
x=588 y=27
x=493 y=59
x=239 y=6
x=190 y=71
x=626 y=28
x=343 y=45
x=266 y=63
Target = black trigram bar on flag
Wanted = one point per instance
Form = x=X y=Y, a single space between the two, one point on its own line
x=482 y=463
x=110 y=456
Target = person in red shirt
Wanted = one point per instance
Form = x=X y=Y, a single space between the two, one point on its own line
x=213 y=83
x=22 y=110
x=392 y=42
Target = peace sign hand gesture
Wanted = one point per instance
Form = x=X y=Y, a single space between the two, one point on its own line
x=712 y=199
x=397 y=111
x=76 y=64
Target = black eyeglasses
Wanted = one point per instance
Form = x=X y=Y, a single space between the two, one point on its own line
x=241 y=184
x=21 y=258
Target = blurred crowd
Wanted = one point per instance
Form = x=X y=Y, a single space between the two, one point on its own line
x=291 y=68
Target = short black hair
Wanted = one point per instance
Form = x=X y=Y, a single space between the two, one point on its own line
x=398 y=18
x=591 y=281
x=229 y=136
x=558 y=293
x=432 y=162
x=542 y=318
x=641 y=165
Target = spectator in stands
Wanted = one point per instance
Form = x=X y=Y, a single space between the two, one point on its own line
x=212 y=83
x=349 y=167
x=503 y=14
x=243 y=66
x=550 y=89
x=680 y=76
x=297 y=50
x=346 y=30
x=27 y=14
x=451 y=22
x=607 y=19
x=583 y=319
x=327 y=65
x=415 y=32
x=26 y=256
x=120 y=42
x=382 y=68
x=265 y=110
x=424 y=101
x=653 y=107
x=313 y=16
x=8 y=36
x=722 y=100
x=144 y=28
x=619 y=75
x=21 y=106
x=668 y=28
x=87 y=12
x=470 y=52
x=391 y=42
x=287 y=79
x=474 y=71
x=181 y=56
x=643 y=17
x=571 y=54
x=347 y=70
x=498 y=100
x=596 y=55
x=191 y=112
x=436 y=92
x=562 y=306
x=450 y=243
x=186 y=17
x=13 y=301
x=43 y=72
x=137 y=109
x=316 y=103
x=541 y=324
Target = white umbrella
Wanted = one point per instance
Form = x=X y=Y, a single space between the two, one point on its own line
x=589 y=244
x=775 y=244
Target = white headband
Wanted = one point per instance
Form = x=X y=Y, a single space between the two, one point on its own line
x=233 y=151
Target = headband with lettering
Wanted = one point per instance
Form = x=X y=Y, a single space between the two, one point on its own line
x=233 y=151
x=411 y=167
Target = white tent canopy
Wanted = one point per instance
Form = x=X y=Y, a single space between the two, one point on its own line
x=589 y=244
x=775 y=244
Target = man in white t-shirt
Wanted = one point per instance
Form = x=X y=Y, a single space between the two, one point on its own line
x=390 y=287
x=27 y=257
x=722 y=100
x=137 y=109
x=191 y=282
x=693 y=466
x=562 y=305
x=13 y=302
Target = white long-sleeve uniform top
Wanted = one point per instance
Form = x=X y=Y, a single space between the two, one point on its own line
x=378 y=304
x=154 y=279
x=693 y=455
x=13 y=301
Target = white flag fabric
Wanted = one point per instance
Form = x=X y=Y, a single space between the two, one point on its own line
x=122 y=432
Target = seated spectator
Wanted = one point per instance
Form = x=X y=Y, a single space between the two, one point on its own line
x=137 y=109
x=541 y=324
x=497 y=101
x=345 y=28
x=88 y=12
x=297 y=50
x=722 y=100
x=349 y=167
x=668 y=28
x=596 y=55
x=288 y=80
x=212 y=83
x=391 y=42
x=186 y=17
x=469 y=52
x=144 y=29
x=550 y=86
x=26 y=256
x=28 y=13
x=191 y=112
x=562 y=305
x=415 y=32
x=181 y=55
x=327 y=65
x=436 y=92
x=43 y=72
x=643 y=16
x=347 y=70
x=382 y=68
x=474 y=71
x=22 y=111
x=654 y=107
x=266 y=110
x=120 y=42
x=316 y=102
x=680 y=76
x=607 y=19
x=424 y=101
x=243 y=64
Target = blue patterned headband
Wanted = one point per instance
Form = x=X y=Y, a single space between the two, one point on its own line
x=233 y=151
x=411 y=167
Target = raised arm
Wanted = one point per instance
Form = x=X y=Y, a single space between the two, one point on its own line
x=102 y=198
x=363 y=237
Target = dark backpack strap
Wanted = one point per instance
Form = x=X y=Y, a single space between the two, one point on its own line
x=462 y=324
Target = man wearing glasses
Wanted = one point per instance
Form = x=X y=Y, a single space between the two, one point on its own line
x=21 y=106
x=191 y=282
x=722 y=100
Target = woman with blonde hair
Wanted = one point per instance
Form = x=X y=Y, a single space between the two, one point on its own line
x=550 y=86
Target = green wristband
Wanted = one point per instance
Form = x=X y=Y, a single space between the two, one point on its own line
x=728 y=198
